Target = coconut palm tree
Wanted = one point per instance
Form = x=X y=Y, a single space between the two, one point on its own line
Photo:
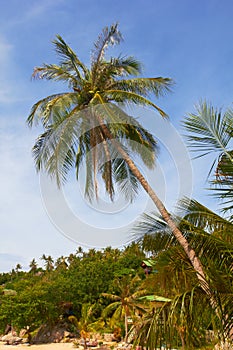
x=18 y=268
x=49 y=263
x=61 y=263
x=33 y=266
x=87 y=124
x=212 y=238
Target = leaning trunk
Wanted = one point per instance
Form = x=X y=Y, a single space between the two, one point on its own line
x=193 y=258
x=172 y=225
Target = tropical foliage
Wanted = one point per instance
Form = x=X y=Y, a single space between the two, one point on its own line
x=189 y=314
x=209 y=130
x=39 y=295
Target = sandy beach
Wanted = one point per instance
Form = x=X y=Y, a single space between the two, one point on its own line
x=50 y=346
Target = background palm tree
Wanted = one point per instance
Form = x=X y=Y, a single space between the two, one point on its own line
x=87 y=323
x=49 y=263
x=33 y=266
x=18 y=267
x=87 y=124
x=125 y=301
x=61 y=263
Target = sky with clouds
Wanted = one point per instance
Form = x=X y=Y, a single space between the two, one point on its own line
x=189 y=41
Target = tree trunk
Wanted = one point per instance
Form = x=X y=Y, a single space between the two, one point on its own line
x=126 y=327
x=196 y=263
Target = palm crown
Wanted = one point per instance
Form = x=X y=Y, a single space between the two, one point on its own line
x=73 y=121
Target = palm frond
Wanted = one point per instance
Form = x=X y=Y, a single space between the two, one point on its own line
x=133 y=137
x=48 y=110
x=35 y=115
x=208 y=130
x=54 y=150
x=110 y=309
x=127 y=97
x=69 y=58
x=203 y=218
x=123 y=66
x=90 y=182
x=149 y=224
x=109 y=36
x=144 y=86
x=57 y=73
x=126 y=181
x=223 y=183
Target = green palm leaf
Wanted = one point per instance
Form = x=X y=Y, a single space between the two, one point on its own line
x=69 y=59
x=203 y=218
x=54 y=150
x=144 y=86
x=209 y=130
x=128 y=97
x=57 y=73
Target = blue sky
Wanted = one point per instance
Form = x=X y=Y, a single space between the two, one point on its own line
x=189 y=41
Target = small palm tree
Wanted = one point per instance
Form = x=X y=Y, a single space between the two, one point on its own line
x=125 y=303
x=87 y=324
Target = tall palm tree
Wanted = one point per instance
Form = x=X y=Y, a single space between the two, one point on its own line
x=88 y=124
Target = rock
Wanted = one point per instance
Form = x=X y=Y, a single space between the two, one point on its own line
x=10 y=339
x=108 y=337
x=52 y=334
x=227 y=345
x=23 y=333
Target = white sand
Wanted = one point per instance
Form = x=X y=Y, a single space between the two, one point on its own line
x=51 y=346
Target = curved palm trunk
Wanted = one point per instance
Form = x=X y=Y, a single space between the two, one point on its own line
x=167 y=218
x=193 y=258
